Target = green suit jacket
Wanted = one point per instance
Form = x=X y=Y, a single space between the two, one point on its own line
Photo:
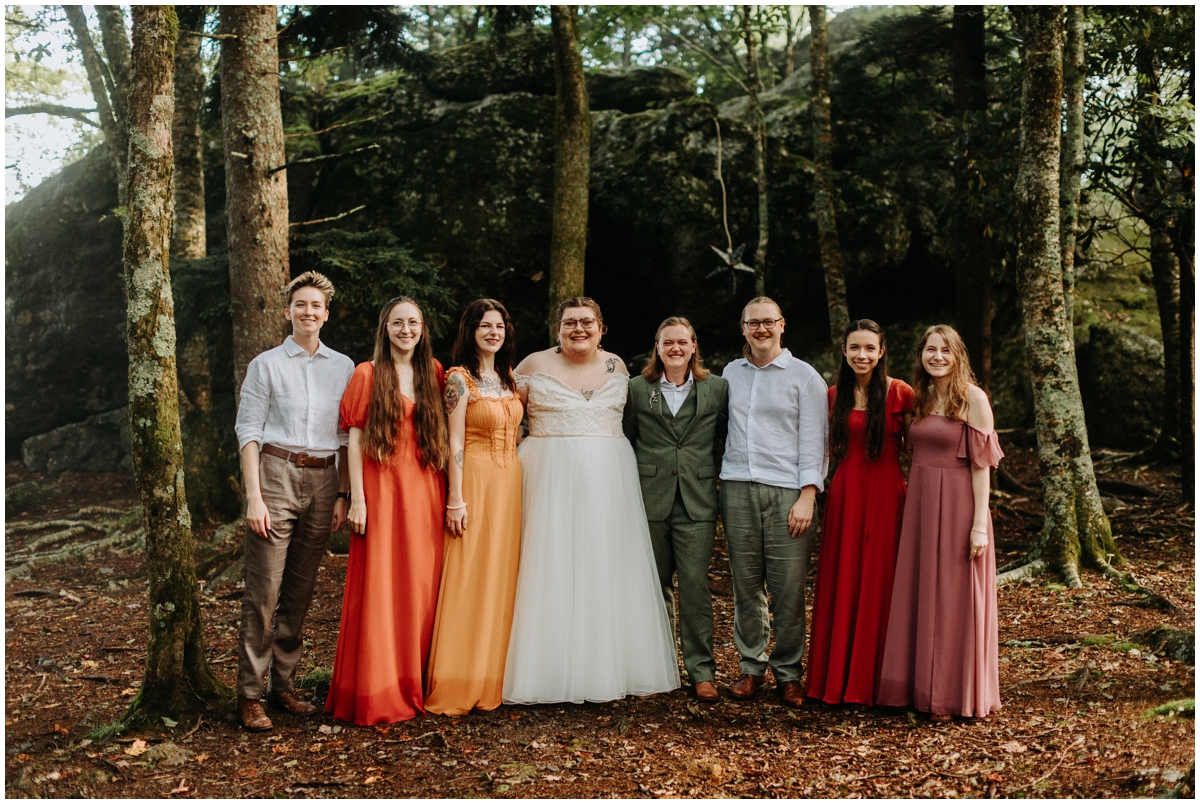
x=686 y=457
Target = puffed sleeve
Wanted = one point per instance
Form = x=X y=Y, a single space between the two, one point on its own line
x=902 y=403
x=832 y=395
x=982 y=448
x=357 y=397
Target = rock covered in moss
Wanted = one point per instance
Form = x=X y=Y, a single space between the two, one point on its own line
x=98 y=444
x=1121 y=379
x=633 y=89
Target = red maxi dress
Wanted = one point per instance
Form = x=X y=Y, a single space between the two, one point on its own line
x=941 y=653
x=863 y=512
x=392 y=577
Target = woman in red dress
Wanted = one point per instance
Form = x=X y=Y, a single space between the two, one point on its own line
x=868 y=412
x=941 y=649
x=398 y=449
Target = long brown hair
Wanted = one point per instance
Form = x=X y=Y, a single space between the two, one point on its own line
x=654 y=366
x=387 y=404
x=955 y=404
x=466 y=354
x=843 y=403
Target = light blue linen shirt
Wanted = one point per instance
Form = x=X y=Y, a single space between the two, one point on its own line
x=778 y=423
x=291 y=399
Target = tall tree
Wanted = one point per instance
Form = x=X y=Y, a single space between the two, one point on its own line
x=972 y=270
x=1073 y=155
x=572 y=164
x=753 y=87
x=256 y=202
x=115 y=39
x=178 y=679
x=113 y=121
x=189 y=234
x=1076 y=530
x=824 y=192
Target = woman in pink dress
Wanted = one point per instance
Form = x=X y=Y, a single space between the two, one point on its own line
x=940 y=655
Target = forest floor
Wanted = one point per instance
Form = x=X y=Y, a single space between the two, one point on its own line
x=1076 y=722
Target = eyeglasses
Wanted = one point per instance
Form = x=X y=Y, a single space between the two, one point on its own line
x=571 y=323
x=767 y=323
x=412 y=324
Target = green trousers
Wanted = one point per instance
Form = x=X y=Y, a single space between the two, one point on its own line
x=683 y=547
x=763 y=556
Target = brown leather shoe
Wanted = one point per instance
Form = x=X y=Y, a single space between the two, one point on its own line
x=746 y=687
x=791 y=694
x=252 y=715
x=288 y=700
x=706 y=692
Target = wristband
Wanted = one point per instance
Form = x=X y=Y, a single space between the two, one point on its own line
x=456 y=507
x=344 y=495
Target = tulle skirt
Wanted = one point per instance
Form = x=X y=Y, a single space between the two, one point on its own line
x=589 y=622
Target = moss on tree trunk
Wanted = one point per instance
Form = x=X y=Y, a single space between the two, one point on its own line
x=572 y=164
x=753 y=87
x=177 y=679
x=823 y=195
x=1076 y=531
x=256 y=202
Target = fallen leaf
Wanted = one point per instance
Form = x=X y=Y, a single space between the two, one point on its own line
x=128 y=692
x=314 y=748
x=324 y=729
x=371 y=780
x=246 y=773
x=291 y=763
x=281 y=749
x=994 y=777
x=60 y=730
x=183 y=788
x=169 y=723
x=201 y=757
x=137 y=748
x=552 y=778
x=1013 y=747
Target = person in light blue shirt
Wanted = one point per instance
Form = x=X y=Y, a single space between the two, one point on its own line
x=775 y=462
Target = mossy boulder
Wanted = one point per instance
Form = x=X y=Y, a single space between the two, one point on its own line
x=1121 y=379
x=633 y=89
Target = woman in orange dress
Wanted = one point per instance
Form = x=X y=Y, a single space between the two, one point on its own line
x=483 y=518
x=398 y=452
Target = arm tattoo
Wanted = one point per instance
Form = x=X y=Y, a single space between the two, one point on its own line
x=459 y=459
x=610 y=365
x=455 y=389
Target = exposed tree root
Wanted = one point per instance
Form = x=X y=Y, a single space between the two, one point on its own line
x=1020 y=573
x=121 y=531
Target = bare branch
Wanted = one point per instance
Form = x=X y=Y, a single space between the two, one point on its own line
x=54 y=109
x=373 y=146
x=704 y=53
x=336 y=125
x=331 y=218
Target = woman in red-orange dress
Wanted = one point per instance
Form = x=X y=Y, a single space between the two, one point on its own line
x=863 y=513
x=398 y=448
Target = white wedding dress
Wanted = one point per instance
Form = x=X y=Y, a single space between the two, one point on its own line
x=589 y=622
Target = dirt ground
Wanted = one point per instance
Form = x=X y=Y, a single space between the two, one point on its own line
x=1076 y=693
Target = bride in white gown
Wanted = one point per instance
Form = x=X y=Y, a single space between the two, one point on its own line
x=589 y=623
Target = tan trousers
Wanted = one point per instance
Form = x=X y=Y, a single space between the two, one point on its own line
x=281 y=571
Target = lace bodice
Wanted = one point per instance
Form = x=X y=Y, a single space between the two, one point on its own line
x=555 y=409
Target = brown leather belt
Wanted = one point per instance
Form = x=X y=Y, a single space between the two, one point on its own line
x=299 y=458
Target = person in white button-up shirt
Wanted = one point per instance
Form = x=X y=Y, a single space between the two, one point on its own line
x=291 y=448
x=775 y=463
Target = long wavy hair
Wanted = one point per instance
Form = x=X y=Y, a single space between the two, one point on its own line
x=654 y=366
x=466 y=354
x=954 y=406
x=387 y=404
x=843 y=402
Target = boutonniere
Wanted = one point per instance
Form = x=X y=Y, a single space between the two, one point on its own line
x=653 y=399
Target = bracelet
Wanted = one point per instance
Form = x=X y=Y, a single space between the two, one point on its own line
x=456 y=507
x=979 y=530
x=343 y=495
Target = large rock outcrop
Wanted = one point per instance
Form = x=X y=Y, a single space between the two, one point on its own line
x=1121 y=377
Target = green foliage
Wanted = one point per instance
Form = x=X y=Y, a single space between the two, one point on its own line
x=1185 y=707
x=322 y=675
x=368 y=269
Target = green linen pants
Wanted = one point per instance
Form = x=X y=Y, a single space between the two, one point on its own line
x=764 y=557
x=683 y=547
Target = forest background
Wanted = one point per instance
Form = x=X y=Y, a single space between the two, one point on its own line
x=880 y=165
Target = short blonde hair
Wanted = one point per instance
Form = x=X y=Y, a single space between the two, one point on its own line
x=309 y=279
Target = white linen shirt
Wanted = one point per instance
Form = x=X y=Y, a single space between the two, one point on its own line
x=778 y=423
x=675 y=395
x=291 y=399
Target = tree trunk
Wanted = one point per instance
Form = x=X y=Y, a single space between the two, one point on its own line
x=256 y=203
x=791 y=40
x=1076 y=529
x=627 y=42
x=1183 y=238
x=1073 y=157
x=767 y=70
x=572 y=160
x=115 y=40
x=973 y=270
x=189 y=235
x=115 y=131
x=823 y=197
x=753 y=87
x=429 y=28
x=178 y=679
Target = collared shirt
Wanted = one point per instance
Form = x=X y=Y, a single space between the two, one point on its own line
x=290 y=399
x=675 y=395
x=778 y=423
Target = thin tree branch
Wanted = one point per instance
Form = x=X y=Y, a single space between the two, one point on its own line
x=336 y=125
x=705 y=54
x=210 y=36
x=330 y=218
x=372 y=147
x=54 y=109
x=314 y=55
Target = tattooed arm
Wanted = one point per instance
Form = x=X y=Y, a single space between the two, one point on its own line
x=457 y=398
x=614 y=365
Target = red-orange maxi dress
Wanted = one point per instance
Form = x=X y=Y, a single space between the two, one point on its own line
x=391 y=578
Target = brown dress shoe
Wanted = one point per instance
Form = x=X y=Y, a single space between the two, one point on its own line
x=288 y=701
x=252 y=715
x=746 y=687
x=706 y=692
x=791 y=694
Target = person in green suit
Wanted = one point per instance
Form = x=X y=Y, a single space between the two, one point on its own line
x=676 y=418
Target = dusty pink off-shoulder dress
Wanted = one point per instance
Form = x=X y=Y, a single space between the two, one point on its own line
x=940 y=654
